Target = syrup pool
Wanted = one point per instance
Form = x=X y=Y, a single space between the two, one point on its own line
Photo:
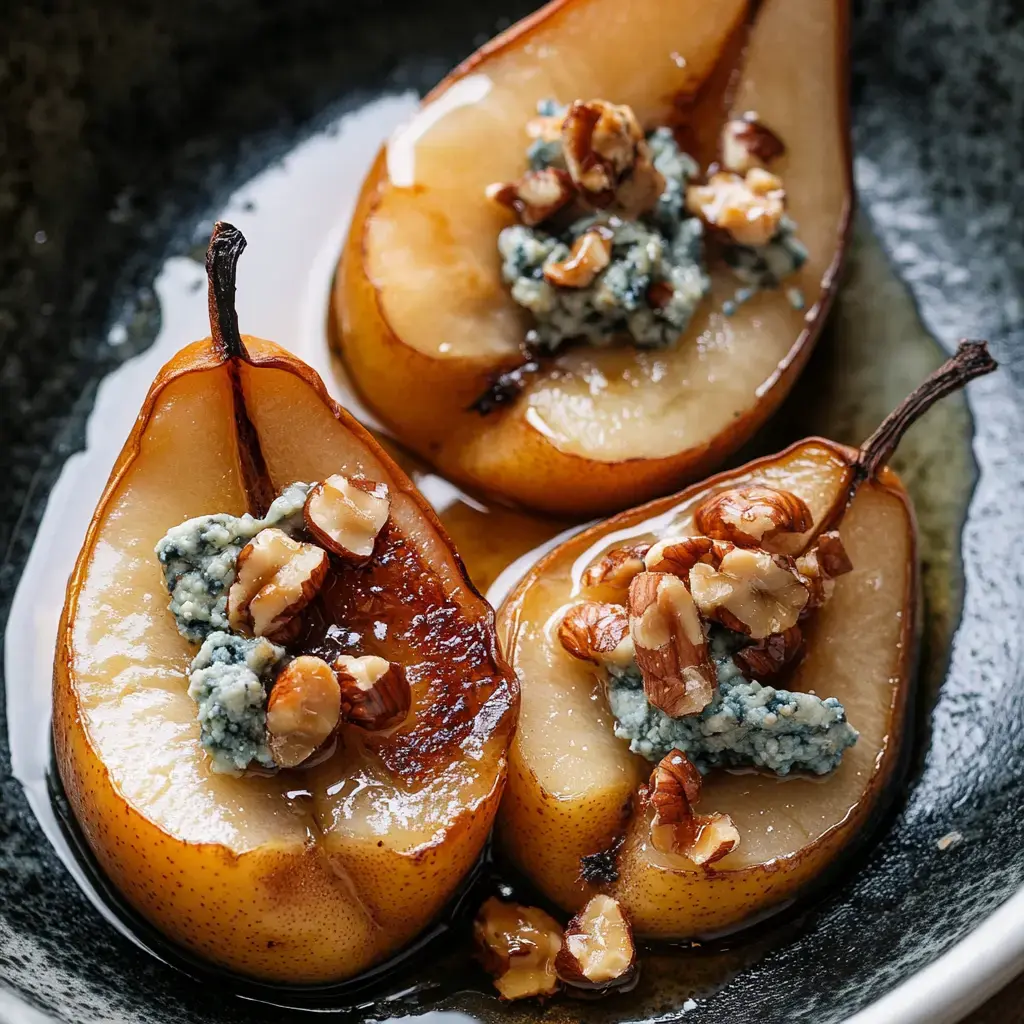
x=295 y=216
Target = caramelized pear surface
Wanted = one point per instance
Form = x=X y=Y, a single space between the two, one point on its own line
x=306 y=875
x=425 y=322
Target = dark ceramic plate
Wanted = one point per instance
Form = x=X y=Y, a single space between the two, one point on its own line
x=127 y=127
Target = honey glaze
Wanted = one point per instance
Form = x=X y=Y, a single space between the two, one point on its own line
x=295 y=215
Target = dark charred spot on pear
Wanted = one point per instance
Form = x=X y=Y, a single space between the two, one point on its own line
x=506 y=387
x=396 y=607
x=602 y=867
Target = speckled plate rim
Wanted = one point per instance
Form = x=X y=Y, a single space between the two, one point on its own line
x=962 y=978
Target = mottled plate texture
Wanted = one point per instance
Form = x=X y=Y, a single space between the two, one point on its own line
x=125 y=128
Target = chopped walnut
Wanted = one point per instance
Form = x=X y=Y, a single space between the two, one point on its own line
x=747 y=143
x=545 y=127
x=608 y=157
x=518 y=945
x=671 y=649
x=678 y=555
x=537 y=195
x=616 y=568
x=820 y=566
x=598 y=952
x=303 y=710
x=597 y=632
x=276 y=578
x=375 y=694
x=674 y=788
x=346 y=515
x=590 y=254
x=747 y=208
x=752 y=592
x=770 y=655
x=753 y=516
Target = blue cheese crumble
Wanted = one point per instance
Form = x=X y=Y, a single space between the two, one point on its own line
x=662 y=253
x=746 y=724
x=199 y=558
x=228 y=680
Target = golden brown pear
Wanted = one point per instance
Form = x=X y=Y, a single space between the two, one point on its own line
x=306 y=875
x=425 y=323
x=576 y=790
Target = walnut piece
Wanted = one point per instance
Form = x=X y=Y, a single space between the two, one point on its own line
x=674 y=788
x=517 y=945
x=671 y=649
x=598 y=952
x=276 y=578
x=747 y=143
x=590 y=254
x=346 y=515
x=536 y=196
x=608 y=157
x=748 y=208
x=770 y=655
x=678 y=555
x=597 y=632
x=616 y=568
x=303 y=710
x=375 y=694
x=545 y=127
x=752 y=592
x=820 y=566
x=752 y=516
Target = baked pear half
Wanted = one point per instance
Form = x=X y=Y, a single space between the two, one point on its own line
x=290 y=874
x=428 y=328
x=812 y=554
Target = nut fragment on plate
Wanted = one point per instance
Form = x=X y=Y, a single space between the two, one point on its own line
x=375 y=694
x=752 y=592
x=608 y=157
x=536 y=196
x=276 y=578
x=671 y=649
x=674 y=788
x=598 y=952
x=753 y=516
x=747 y=143
x=749 y=207
x=346 y=515
x=616 y=568
x=678 y=555
x=517 y=945
x=590 y=254
x=303 y=710
x=597 y=632
x=820 y=566
x=770 y=655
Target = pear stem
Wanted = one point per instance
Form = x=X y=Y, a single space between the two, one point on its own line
x=227 y=243
x=972 y=360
